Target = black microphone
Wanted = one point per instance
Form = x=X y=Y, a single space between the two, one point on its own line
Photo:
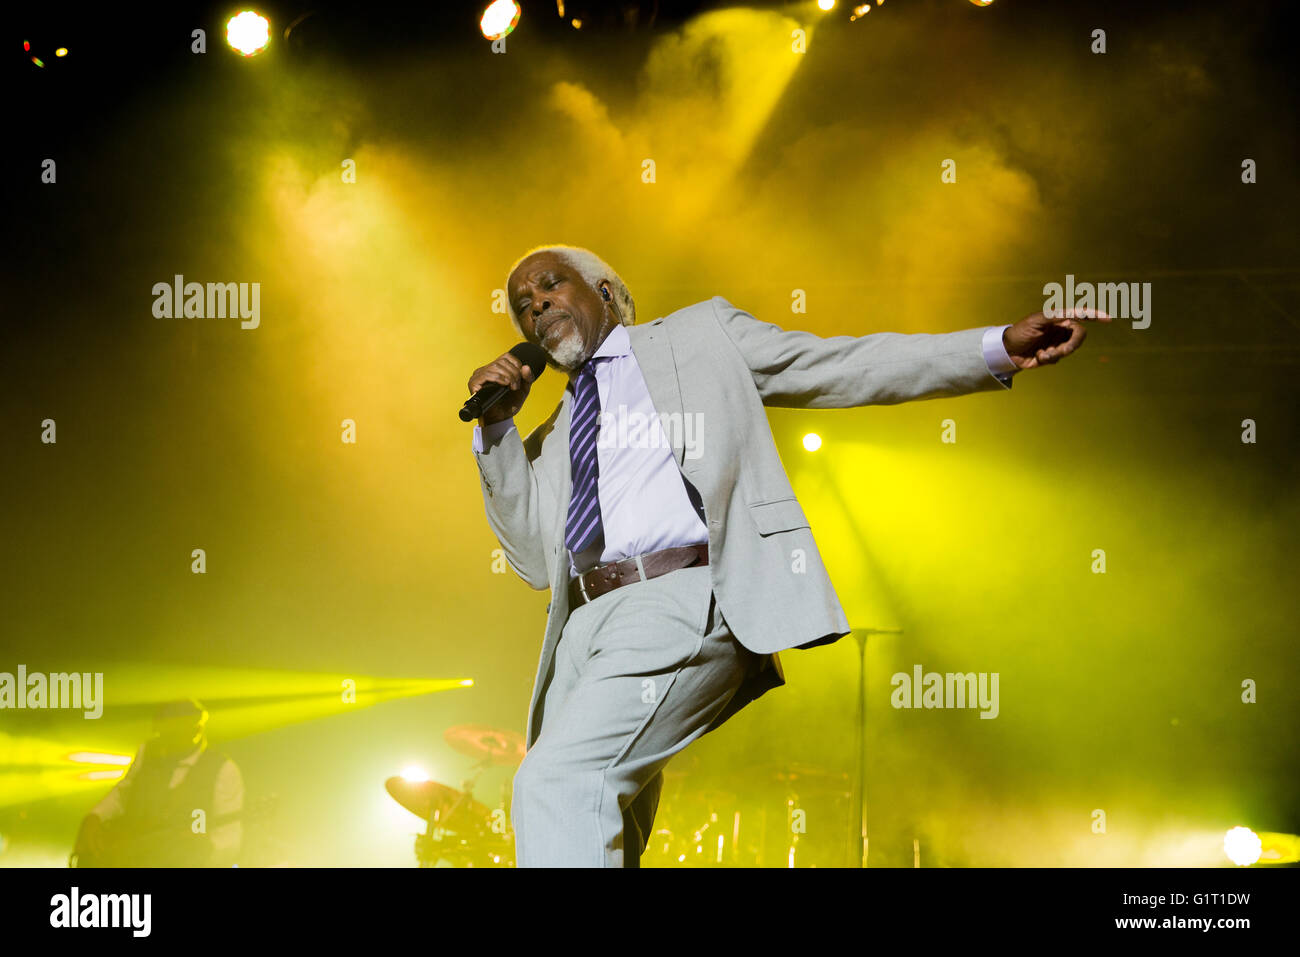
x=493 y=392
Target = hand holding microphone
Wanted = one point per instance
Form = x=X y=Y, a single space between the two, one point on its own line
x=500 y=387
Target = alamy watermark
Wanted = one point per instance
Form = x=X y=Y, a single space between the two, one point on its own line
x=179 y=299
x=953 y=690
x=1119 y=300
x=622 y=429
x=60 y=690
x=75 y=909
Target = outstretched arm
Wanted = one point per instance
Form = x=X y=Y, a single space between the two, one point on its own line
x=795 y=369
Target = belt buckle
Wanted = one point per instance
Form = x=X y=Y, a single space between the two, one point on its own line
x=599 y=571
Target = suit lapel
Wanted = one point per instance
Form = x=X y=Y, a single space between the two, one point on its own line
x=654 y=355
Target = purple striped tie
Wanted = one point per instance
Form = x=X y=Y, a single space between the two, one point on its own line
x=584 y=499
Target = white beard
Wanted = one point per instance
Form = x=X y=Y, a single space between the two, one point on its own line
x=569 y=352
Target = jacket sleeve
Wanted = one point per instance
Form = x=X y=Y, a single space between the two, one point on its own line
x=510 y=497
x=799 y=370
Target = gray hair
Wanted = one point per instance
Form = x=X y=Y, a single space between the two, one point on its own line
x=591 y=268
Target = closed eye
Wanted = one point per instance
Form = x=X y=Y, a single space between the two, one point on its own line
x=550 y=283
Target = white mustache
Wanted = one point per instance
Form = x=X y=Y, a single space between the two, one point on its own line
x=552 y=323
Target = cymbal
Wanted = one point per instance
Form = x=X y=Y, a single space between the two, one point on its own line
x=478 y=741
x=425 y=798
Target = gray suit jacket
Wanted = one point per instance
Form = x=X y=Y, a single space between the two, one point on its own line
x=721 y=363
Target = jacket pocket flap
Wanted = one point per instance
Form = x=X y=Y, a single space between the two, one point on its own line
x=779 y=516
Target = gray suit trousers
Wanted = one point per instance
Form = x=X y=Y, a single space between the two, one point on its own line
x=639 y=674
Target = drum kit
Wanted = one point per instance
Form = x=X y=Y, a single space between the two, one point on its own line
x=460 y=831
x=697 y=826
x=701 y=826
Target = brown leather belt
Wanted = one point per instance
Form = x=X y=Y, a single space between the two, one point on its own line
x=603 y=579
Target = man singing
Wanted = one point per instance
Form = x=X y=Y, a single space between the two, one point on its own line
x=671 y=564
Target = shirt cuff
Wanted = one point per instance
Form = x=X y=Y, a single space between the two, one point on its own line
x=492 y=434
x=995 y=353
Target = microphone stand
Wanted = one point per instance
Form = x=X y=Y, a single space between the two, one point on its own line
x=858 y=842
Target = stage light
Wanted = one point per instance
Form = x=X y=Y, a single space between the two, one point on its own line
x=499 y=19
x=414 y=774
x=1243 y=846
x=860 y=11
x=61 y=51
x=1279 y=848
x=248 y=32
x=96 y=757
x=101 y=775
x=812 y=441
x=826 y=4
x=981 y=3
